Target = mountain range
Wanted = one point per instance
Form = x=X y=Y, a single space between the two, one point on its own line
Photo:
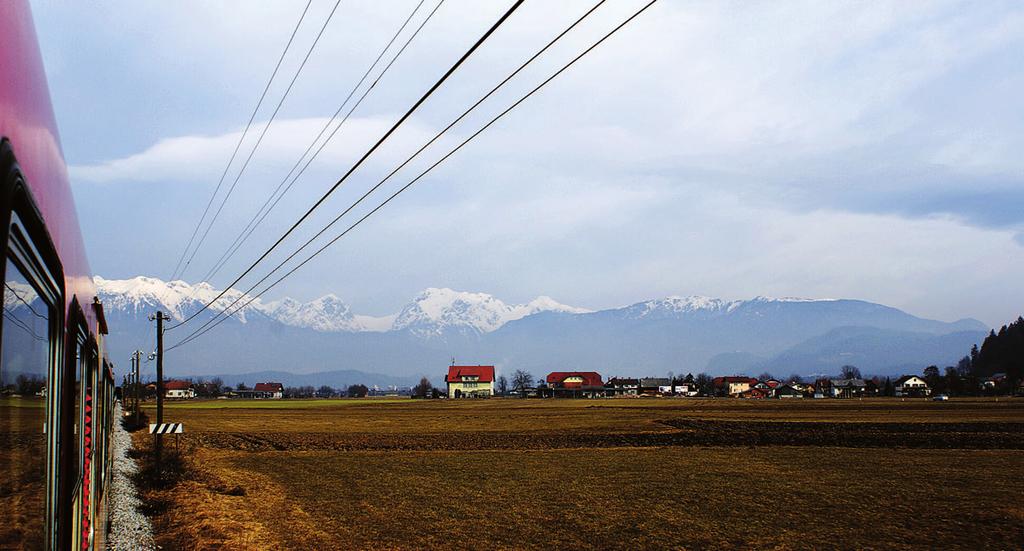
x=313 y=340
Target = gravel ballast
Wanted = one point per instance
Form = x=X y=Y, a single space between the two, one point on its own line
x=129 y=528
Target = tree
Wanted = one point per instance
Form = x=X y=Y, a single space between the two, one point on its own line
x=705 y=384
x=357 y=391
x=888 y=389
x=765 y=376
x=953 y=382
x=325 y=391
x=521 y=380
x=794 y=378
x=422 y=390
x=29 y=385
x=241 y=386
x=849 y=372
x=502 y=385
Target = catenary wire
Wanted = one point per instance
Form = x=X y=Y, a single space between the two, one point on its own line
x=423 y=147
x=380 y=141
x=263 y=134
x=260 y=215
x=207 y=327
x=240 y=140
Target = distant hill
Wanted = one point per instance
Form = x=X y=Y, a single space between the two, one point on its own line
x=680 y=334
x=336 y=379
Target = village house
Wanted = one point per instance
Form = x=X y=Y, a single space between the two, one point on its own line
x=269 y=391
x=732 y=386
x=655 y=386
x=847 y=388
x=180 y=390
x=788 y=392
x=618 y=386
x=470 y=381
x=757 y=393
x=686 y=387
x=912 y=386
x=261 y=391
x=574 y=384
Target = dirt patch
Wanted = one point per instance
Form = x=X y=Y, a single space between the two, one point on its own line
x=679 y=432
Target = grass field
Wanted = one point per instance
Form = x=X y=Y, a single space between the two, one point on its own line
x=595 y=474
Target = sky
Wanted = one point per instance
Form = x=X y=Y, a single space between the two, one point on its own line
x=867 y=150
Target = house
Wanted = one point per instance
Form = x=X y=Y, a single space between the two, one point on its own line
x=686 y=387
x=756 y=393
x=618 y=386
x=847 y=388
x=732 y=386
x=262 y=391
x=182 y=390
x=772 y=383
x=470 y=381
x=786 y=392
x=655 y=386
x=270 y=391
x=574 y=384
x=912 y=386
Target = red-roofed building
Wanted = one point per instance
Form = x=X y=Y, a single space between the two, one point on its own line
x=268 y=391
x=179 y=389
x=575 y=384
x=470 y=381
x=732 y=386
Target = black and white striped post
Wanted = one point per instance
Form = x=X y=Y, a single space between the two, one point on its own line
x=168 y=428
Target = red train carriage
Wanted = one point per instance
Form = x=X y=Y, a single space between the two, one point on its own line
x=56 y=386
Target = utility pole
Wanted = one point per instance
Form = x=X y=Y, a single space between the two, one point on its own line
x=129 y=392
x=136 y=388
x=159 y=317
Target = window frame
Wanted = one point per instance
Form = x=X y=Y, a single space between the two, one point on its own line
x=29 y=247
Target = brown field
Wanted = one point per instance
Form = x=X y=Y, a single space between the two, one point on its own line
x=640 y=473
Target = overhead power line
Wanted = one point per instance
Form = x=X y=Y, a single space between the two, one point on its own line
x=260 y=215
x=240 y=140
x=263 y=133
x=382 y=139
x=423 y=147
x=212 y=323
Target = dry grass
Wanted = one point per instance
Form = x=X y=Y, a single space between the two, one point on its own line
x=478 y=490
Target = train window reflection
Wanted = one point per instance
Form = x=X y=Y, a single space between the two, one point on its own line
x=24 y=372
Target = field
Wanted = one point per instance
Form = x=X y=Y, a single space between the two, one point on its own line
x=622 y=473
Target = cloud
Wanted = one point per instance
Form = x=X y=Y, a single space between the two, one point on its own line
x=729 y=148
x=192 y=158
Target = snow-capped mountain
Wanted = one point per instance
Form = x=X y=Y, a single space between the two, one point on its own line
x=690 y=334
x=144 y=295
x=432 y=312
x=435 y=311
x=327 y=313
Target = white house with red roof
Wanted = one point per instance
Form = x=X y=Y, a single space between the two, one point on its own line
x=470 y=381
x=269 y=391
x=182 y=390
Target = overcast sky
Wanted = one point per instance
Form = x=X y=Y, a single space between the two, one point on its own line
x=863 y=150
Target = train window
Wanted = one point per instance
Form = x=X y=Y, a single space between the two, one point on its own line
x=24 y=382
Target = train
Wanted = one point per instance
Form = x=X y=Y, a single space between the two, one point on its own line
x=57 y=386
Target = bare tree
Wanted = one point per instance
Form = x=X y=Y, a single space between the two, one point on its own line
x=521 y=380
x=705 y=384
x=423 y=389
x=502 y=385
x=849 y=372
x=765 y=376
